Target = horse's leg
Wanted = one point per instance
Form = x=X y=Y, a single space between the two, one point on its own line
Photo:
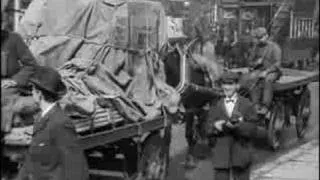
x=202 y=149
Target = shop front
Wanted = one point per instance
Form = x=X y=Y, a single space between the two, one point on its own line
x=244 y=16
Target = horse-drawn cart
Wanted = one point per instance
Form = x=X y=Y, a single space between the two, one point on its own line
x=291 y=103
x=107 y=55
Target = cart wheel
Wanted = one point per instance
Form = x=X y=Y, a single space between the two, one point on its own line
x=303 y=113
x=154 y=159
x=276 y=125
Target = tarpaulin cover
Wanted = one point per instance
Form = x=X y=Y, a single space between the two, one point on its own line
x=103 y=48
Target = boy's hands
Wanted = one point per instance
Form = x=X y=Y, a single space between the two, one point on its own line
x=231 y=125
x=219 y=124
x=234 y=123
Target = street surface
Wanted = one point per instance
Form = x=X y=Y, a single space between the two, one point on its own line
x=262 y=155
x=300 y=163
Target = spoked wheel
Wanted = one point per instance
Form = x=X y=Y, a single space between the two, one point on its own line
x=303 y=113
x=154 y=161
x=276 y=125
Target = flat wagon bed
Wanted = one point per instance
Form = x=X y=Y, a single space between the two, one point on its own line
x=113 y=141
x=125 y=131
x=93 y=139
x=290 y=79
x=291 y=101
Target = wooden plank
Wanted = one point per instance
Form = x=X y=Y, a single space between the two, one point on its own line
x=295 y=84
x=295 y=72
x=107 y=173
x=127 y=131
x=298 y=78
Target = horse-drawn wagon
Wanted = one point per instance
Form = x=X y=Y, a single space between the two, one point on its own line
x=291 y=103
x=129 y=151
x=106 y=53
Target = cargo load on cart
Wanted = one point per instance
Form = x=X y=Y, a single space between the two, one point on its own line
x=107 y=54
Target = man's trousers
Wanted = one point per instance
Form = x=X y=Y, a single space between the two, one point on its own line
x=267 y=90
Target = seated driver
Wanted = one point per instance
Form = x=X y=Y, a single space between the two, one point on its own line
x=266 y=61
x=17 y=65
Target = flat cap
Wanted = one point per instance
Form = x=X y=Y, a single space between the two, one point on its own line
x=229 y=77
x=260 y=32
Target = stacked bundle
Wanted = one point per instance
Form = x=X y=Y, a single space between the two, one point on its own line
x=97 y=103
x=101 y=118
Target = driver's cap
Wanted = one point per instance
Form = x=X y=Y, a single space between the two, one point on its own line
x=260 y=32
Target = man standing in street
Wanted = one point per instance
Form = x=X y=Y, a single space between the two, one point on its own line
x=54 y=153
x=231 y=122
x=266 y=61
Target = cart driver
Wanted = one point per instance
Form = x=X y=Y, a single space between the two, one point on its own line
x=16 y=58
x=17 y=64
x=266 y=61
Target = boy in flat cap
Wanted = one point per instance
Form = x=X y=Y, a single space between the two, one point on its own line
x=231 y=122
x=54 y=153
x=266 y=61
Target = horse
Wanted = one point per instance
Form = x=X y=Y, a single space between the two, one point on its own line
x=193 y=70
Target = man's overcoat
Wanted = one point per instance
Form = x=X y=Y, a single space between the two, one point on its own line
x=232 y=147
x=54 y=153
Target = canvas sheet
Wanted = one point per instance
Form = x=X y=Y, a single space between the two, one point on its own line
x=103 y=48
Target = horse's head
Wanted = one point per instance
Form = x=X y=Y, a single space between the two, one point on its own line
x=202 y=63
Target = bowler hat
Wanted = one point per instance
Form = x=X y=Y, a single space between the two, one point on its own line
x=229 y=77
x=260 y=32
x=49 y=80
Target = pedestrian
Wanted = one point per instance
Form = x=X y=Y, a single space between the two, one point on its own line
x=54 y=153
x=231 y=123
x=266 y=61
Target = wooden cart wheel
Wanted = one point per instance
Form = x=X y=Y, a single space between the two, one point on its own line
x=276 y=125
x=154 y=159
x=303 y=113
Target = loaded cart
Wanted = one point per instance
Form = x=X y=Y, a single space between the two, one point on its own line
x=131 y=151
x=291 y=103
x=107 y=53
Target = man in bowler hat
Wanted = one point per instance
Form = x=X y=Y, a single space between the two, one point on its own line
x=231 y=122
x=54 y=153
